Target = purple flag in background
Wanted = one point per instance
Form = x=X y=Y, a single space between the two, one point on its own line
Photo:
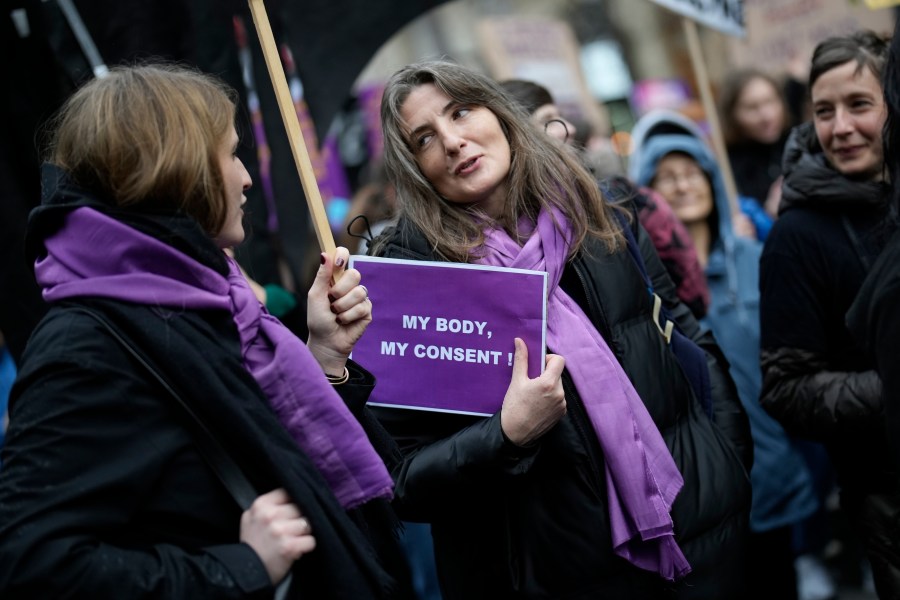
x=442 y=334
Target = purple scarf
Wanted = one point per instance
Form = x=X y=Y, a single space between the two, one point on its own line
x=95 y=255
x=641 y=476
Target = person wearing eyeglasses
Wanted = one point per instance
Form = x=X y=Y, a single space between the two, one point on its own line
x=680 y=166
x=541 y=108
x=669 y=237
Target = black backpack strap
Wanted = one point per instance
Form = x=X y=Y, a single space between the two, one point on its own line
x=690 y=356
x=212 y=451
x=660 y=315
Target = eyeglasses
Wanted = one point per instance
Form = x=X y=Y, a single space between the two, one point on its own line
x=670 y=180
x=557 y=128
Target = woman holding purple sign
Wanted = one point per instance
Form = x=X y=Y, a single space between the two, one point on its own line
x=168 y=437
x=619 y=472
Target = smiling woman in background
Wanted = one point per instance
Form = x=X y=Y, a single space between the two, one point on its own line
x=817 y=381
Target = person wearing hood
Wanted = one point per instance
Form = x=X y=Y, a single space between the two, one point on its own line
x=817 y=380
x=750 y=221
x=681 y=168
x=168 y=437
x=669 y=237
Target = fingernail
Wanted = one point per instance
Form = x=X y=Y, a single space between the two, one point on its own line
x=331 y=298
x=322 y=258
x=339 y=262
x=333 y=310
x=338 y=321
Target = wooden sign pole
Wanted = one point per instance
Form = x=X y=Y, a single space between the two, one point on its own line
x=709 y=107
x=292 y=125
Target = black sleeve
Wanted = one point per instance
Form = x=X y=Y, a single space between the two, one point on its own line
x=728 y=412
x=87 y=443
x=875 y=321
x=448 y=459
x=355 y=393
x=884 y=333
x=799 y=389
x=812 y=402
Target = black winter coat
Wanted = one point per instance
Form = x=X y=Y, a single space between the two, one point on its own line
x=874 y=320
x=511 y=522
x=103 y=493
x=817 y=381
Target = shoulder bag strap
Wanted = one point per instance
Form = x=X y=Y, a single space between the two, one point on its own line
x=212 y=451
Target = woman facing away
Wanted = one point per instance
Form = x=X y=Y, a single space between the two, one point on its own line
x=604 y=476
x=105 y=490
x=817 y=381
x=681 y=167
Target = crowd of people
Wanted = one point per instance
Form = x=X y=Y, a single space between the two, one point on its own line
x=711 y=360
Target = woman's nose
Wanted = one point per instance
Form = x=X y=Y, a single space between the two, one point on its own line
x=452 y=140
x=246 y=180
x=843 y=122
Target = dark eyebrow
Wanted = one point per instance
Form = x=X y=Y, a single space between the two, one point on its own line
x=444 y=110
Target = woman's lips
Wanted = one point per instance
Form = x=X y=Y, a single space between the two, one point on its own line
x=848 y=151
x=469 y=165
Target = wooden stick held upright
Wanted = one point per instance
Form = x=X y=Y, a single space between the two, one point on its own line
x=709 y=107
x=292 y=125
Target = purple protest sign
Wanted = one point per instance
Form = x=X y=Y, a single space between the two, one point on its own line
x=441 y=338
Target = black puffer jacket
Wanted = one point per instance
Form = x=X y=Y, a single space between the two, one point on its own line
x=103 y=491
x=816 y=380
x=515 y=523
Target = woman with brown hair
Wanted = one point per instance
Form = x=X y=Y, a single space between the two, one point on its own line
x=817 y=381
x=755 y=124
x=604 y=476
x=168 y=437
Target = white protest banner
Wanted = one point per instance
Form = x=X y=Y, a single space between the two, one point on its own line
x=441 y=338
x=781 y=33
x=726 y=16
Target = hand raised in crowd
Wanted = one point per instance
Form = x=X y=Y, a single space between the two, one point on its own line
x=743 y=226
x=773 y=200
x=276 y=530
x=338 y=312
x=532 y=406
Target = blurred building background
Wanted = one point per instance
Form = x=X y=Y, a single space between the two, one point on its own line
x=610 y=60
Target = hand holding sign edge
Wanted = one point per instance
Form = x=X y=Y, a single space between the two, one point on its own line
x=532 y=407
x=338 y=312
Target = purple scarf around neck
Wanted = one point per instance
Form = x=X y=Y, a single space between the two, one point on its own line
x=641 y=476
x=95 y=255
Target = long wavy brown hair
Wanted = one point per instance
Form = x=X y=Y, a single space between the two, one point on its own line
x=542 y=173
x=148 y=136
